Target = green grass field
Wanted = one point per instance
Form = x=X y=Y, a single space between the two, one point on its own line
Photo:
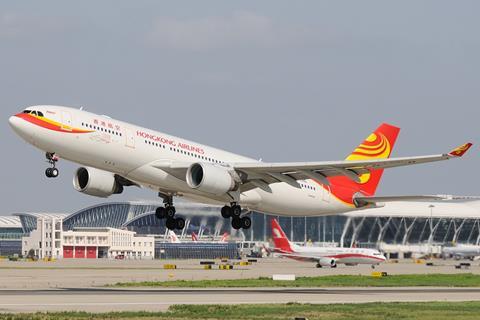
x=413 y=280
x=390 y=311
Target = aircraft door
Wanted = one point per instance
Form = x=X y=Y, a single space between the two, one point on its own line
x=130 y=138
x=66 y=121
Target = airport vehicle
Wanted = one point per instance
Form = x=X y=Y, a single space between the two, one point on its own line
x=116 y=154
x=462 y=251
x=324 y=257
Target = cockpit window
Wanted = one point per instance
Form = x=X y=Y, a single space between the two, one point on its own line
x=40 y=114
x=27 y=111
x=34 y=113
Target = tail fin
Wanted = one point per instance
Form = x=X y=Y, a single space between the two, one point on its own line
x=224 y=237
x=194 y=237
x=279 y=238
x=173 y=237
x=378 y=145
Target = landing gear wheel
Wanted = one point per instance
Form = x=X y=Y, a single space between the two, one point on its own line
x=170 y=211
x=236 y=223
x=236 y=210
x=179 y=223
x=52 y=159
x=226 y=212
x=318 y=265
x=160 y=213
x=246 y=222
x=54 y=172
x=170 y=224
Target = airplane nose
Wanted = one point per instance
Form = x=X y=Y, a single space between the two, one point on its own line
x=13 y=121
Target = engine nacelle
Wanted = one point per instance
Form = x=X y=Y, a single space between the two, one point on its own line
x=327 y=262
x=210 y=178
x=96 y=182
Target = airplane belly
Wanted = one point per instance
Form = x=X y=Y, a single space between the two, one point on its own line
x=286 y=200
x=161 y=181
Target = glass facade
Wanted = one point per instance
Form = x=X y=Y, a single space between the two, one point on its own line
x=405 y=230
x=165 y=250
x=10 y=247
x=113 y=215
x=207 y=222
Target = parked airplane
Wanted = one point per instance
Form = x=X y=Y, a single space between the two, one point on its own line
x=223 y=239
x=462 y=251
x=172 y=237
x=116 y=154
x=324 y=257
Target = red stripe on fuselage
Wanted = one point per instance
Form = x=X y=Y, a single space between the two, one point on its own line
x=354 y=255
x=47 y=125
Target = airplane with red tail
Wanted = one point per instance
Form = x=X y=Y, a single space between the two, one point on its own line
x=223 y=239
x=324 y=257
x=115 y=154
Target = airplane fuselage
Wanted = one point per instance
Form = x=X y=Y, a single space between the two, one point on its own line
x=348 y=256
x=132 y=152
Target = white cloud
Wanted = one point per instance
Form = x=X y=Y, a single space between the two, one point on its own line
x=242 y=29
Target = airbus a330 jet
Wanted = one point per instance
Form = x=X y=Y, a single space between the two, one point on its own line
x=115 y=154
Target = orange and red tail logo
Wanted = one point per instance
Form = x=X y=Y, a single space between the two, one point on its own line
x=378 y=145
x=460 y=151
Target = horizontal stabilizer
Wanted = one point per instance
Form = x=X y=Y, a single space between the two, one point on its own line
x=365 y=201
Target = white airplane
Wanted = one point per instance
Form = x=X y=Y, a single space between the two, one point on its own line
x=324 y=257
x=223 y=239
x=462 y=251
x=172 y=237
x=115 y=154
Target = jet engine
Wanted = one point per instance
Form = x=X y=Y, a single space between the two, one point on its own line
x=96 y=182
x=327 y=262
x=210 y=178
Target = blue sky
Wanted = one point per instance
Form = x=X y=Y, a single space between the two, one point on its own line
x=278 y=80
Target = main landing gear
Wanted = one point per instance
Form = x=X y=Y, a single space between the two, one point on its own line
x=52 y=159
x=234 y=211
x=168 y=212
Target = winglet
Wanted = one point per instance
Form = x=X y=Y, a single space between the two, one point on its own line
x=460 y=151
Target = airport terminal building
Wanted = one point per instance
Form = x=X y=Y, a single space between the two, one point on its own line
x=399 y=224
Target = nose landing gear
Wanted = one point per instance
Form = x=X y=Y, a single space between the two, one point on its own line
x=52 y=159
x=235 y=211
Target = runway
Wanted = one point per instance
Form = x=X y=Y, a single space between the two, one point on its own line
x=112 y=299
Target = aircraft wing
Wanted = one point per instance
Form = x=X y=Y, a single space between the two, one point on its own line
x=262 y=174
x=178 y=169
